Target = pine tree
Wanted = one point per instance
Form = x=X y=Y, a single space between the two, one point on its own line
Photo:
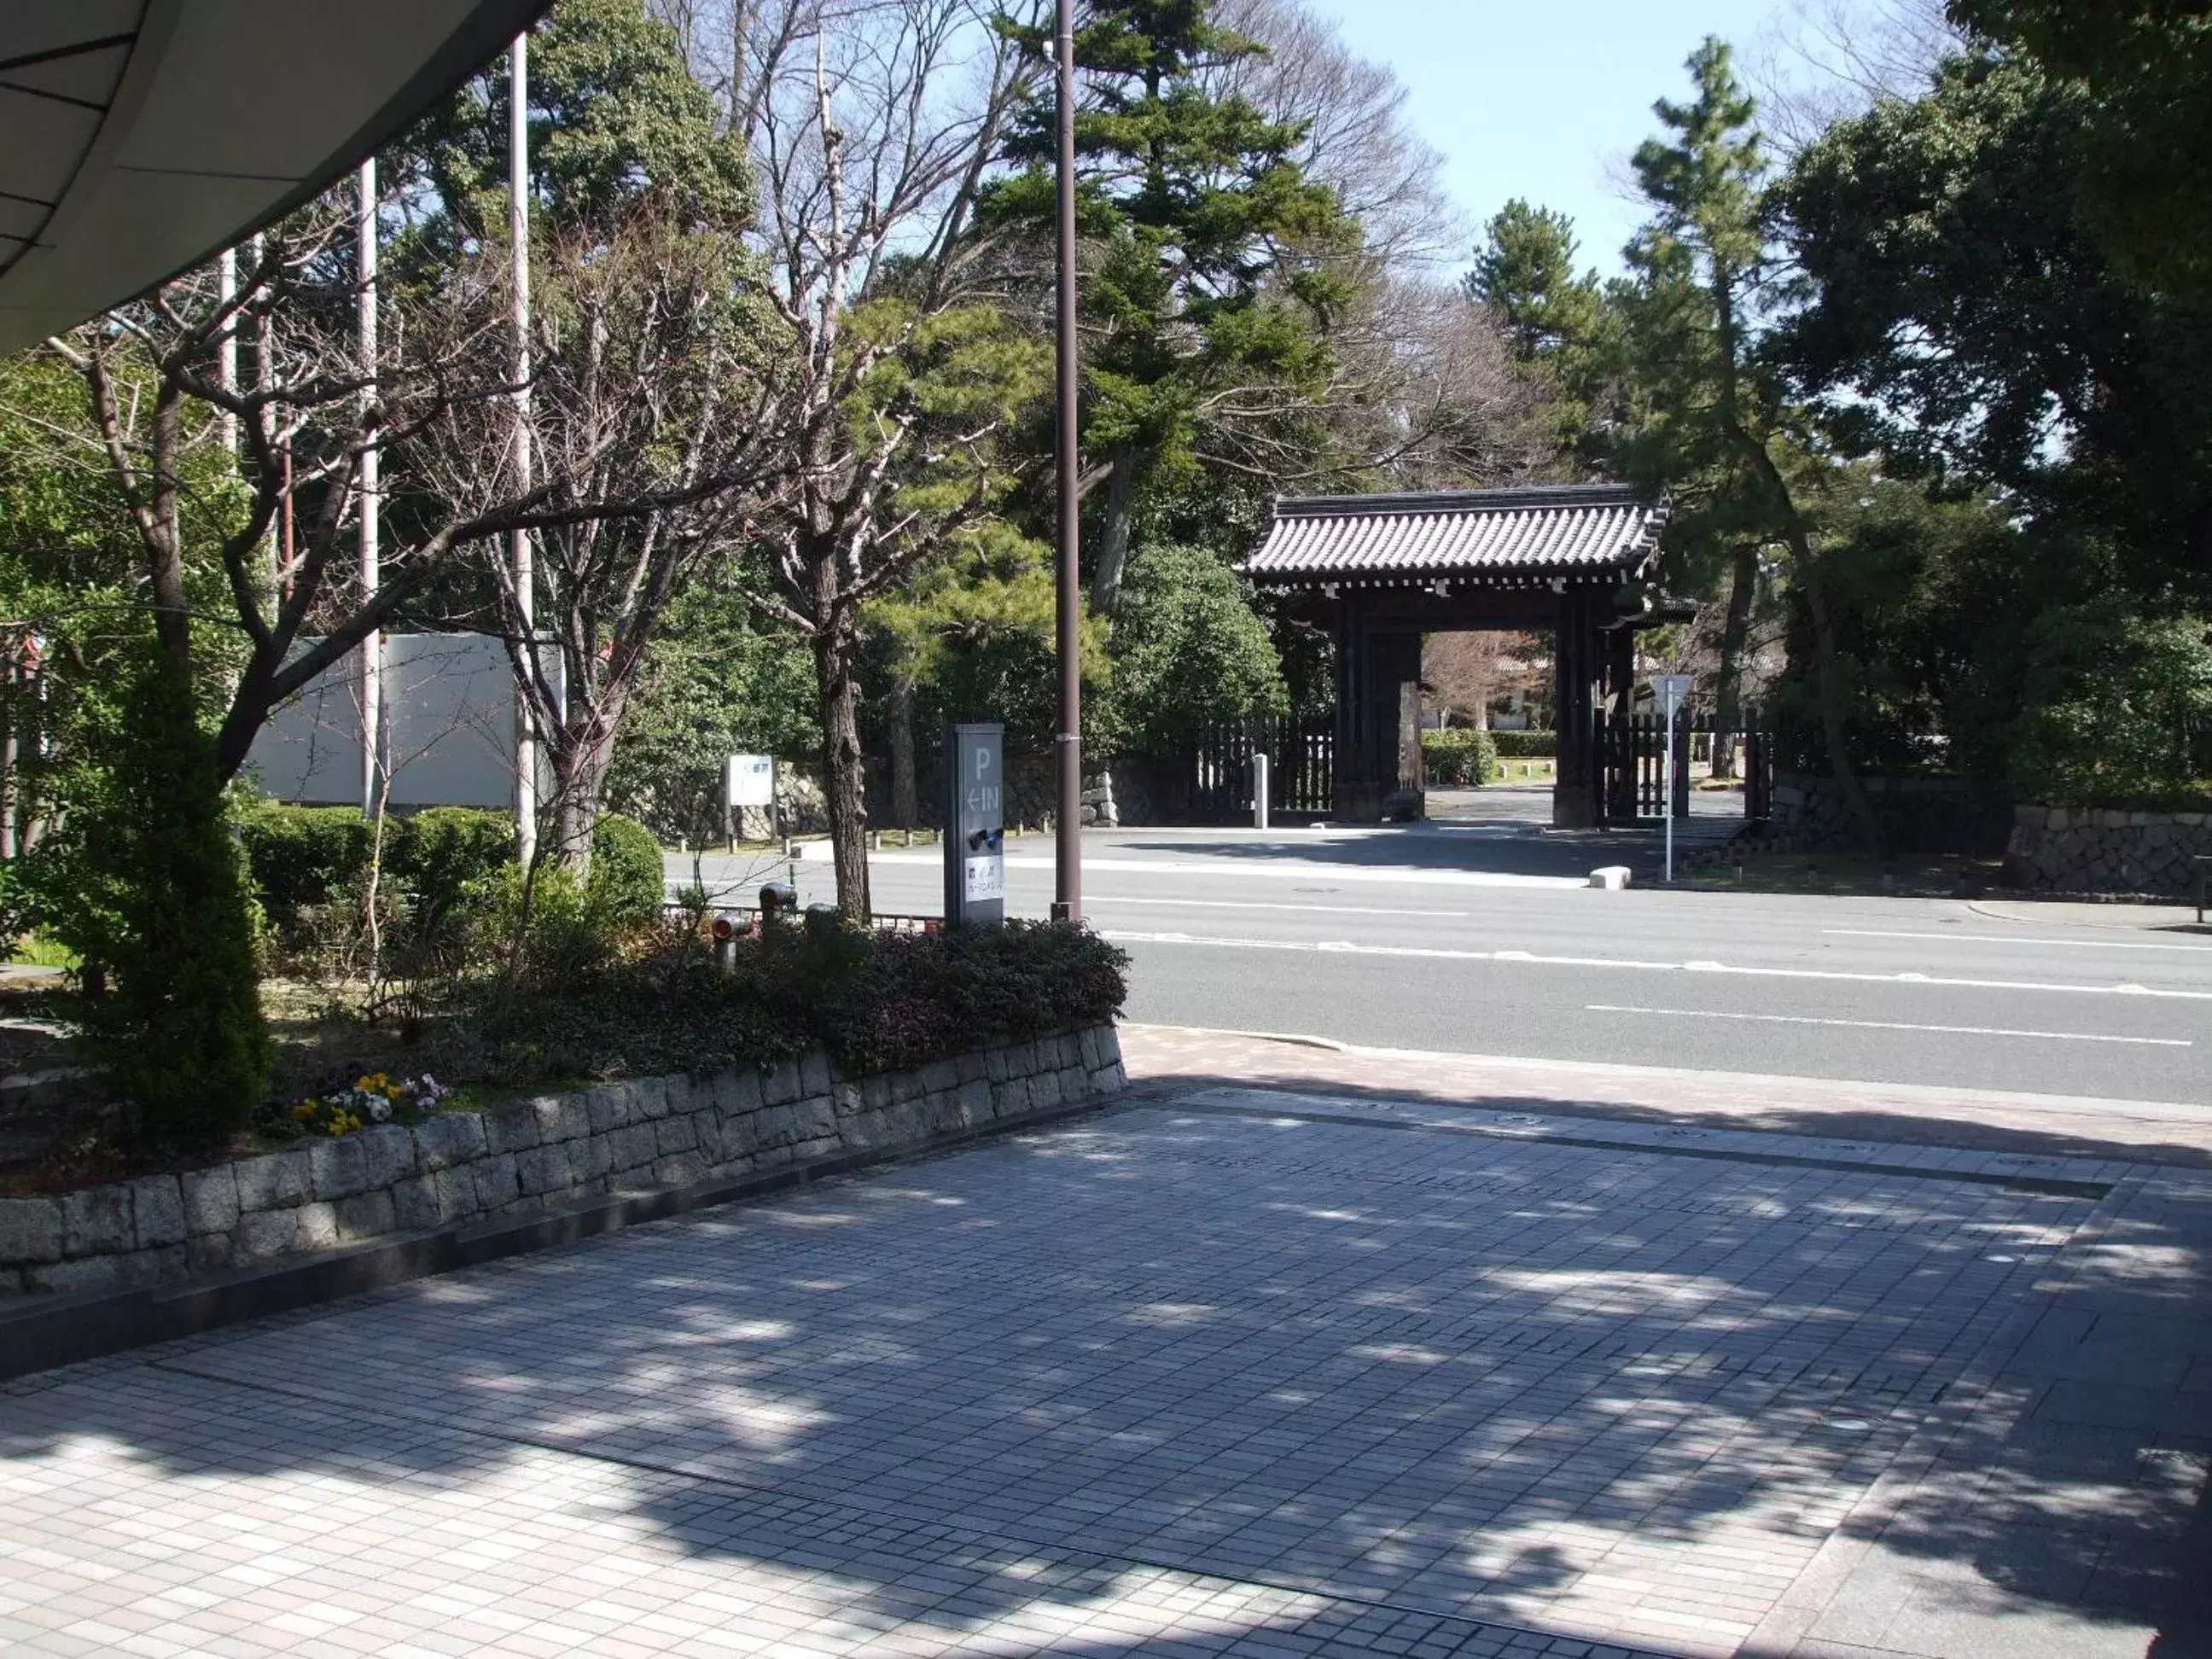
x=1207 y=296
x=1556 y=322
x=1706 y=415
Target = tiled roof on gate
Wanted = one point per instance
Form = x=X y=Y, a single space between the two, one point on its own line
x=1482 y=535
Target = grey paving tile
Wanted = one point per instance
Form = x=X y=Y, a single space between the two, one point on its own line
x=1172 y=1381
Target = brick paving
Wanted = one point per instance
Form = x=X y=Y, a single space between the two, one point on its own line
x=1296 y=1369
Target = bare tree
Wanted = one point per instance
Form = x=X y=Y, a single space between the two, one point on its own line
x=1356 y=140
x=1829 y=59
x=283 y=603
x=1421 y=391
x=306 y=425
x=874 y=124
x=649 y=387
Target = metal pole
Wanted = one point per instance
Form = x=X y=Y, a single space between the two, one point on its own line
x=1667 y=803
x=1068 y=845
x=523 y=553
x=1260 y=790
x=372 y=647
x=226 y=356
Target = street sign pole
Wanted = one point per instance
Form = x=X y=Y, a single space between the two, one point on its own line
x=1067 y=747
x=1672 y=689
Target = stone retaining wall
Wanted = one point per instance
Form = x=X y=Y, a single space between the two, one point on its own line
x=1917 y=814
x=463 y=1167
x=2076 y=849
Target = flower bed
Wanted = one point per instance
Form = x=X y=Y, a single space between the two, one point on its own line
x=426 y=1171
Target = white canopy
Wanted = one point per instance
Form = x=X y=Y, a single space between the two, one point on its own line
x=141 y=138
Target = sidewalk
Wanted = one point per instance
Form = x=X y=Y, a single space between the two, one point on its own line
x=2075 y=913
x=1302 y=1350
x=1170 y=1059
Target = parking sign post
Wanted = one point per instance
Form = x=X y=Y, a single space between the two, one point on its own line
x=974 y=825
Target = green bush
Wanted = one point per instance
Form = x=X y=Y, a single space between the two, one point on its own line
x=1459 y=757
x=2111 y=698
x=628 y=882
x=143 y=883
x=301 y=857
x=306 y=858
x=877 y=1002
x=446 y=859
x=1526 y=745
x=1189 y=652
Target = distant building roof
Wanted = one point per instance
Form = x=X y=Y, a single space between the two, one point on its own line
x=1492 y=536
x=140 y=137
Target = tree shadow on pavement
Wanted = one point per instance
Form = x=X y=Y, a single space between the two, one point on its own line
x=1171 y=1352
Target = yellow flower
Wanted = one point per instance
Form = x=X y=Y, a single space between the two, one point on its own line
x=305 y=1108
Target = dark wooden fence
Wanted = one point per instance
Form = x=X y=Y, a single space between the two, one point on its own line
x=1633 y=754
x=1300 y=753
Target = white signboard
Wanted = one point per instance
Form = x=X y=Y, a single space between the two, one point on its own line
x=986 y=878
x=1673 y=691
x=447 y=731
x=752 y=780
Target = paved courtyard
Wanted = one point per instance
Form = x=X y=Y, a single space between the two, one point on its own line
x=1229 y=1371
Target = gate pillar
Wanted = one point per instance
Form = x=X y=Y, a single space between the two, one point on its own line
x=1377 y=760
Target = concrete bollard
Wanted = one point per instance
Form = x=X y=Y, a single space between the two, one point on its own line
x=1610 y=877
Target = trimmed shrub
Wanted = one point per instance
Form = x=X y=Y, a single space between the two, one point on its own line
x=878 y=1002
x=1526 y=745
x=446 y=859
x=304 y=858
x=1459 y=757
x=628 y=881
x=300 y=857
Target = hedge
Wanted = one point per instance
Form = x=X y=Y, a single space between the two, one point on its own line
x=628 y=879
x=877 y=1002
x=1526 y=745
x=1458 y=756
x=303 y=857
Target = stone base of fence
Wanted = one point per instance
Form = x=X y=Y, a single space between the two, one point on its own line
x=1807 y=814
x=460 y=1169
x=2062 y=849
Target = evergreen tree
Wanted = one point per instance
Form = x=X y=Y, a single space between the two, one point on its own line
x=1207 y=296
x=2144 y=68
x=1556 y=322
x=1708 y=418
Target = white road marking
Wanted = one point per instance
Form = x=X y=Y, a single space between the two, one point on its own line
x=1440 y=954
x=1280 y=870
x=1247 y=904
x=2007 y=939
x=1891 y=1025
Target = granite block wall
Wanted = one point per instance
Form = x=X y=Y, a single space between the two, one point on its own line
x=2077 y=850
x=460 y=1168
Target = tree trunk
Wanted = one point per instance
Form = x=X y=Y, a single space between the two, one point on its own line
x=580 y=761
x=844 y=782
x=904 y=804
x=1114 y=537
x=1827 y=672
x=1827 y=667
x=1743 y=585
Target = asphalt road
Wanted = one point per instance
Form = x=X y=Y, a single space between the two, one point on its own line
x=1465 y=938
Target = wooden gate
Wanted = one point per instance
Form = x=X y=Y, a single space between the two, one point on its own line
x=1300 y=777
x=1633 y=762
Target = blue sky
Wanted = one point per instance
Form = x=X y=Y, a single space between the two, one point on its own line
x=1525 y=98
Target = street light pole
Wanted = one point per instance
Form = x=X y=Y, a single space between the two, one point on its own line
x=1067 y=847
x=372 y=646
x=522 y=552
